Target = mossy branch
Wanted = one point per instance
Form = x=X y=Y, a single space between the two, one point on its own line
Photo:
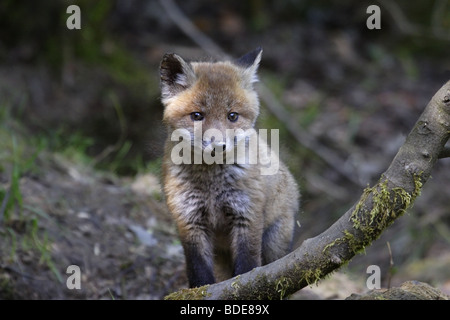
x=377 y=208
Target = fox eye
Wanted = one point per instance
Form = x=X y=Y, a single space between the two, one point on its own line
x=233 y=116
x=197 y=116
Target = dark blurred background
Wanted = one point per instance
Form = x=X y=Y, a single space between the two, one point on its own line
x=354 y=92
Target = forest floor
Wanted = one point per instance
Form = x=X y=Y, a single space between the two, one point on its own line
x=119 y=236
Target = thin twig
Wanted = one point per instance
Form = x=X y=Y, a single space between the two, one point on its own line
x=411 y=29
x=304 y=138
x=22 y=274
x=186 y=26
x=391 y=265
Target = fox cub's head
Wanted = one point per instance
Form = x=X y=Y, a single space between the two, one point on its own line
x=218 y=96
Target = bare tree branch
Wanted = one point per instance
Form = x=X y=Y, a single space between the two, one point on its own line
x=409 y=28
x=377 y=208
x=185 y=25
x=438 y=16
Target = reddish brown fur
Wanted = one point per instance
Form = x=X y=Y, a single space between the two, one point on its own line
x=230 y=217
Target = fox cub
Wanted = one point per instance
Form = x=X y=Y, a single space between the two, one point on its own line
x=231 y=216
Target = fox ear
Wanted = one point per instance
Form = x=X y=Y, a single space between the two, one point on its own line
x=176 y=75
x=250 y=63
